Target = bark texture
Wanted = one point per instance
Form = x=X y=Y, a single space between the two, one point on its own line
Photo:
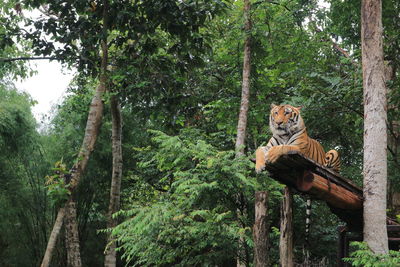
x=51 y=244
x=72 y=235
x=260 y=229
x=244 y=104
x=111 y=254
x=375 y=135
x=286 y=237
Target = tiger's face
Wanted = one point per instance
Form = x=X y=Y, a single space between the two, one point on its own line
x=285 y=120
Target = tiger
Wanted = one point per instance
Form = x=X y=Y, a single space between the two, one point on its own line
x=289 y=134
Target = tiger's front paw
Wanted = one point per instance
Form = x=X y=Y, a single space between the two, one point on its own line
x=260 y=160
x=274 y=153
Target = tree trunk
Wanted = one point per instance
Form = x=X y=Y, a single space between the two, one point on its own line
x=286 y=237
x=244 y=104
x=111 y=254
x=72 y=235
x=375 y=135
x=260 y=229
x=91 y=132
x=51 y=244
x=242 y=121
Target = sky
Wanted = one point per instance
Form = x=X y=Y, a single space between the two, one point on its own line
x=47 y=87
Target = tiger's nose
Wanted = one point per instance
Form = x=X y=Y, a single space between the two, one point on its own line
x=279 y=122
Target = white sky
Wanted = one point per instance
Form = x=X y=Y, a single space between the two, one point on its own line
x=47 y=87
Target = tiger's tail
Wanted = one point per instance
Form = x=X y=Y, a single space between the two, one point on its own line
x=332 y=160
x=308 y=220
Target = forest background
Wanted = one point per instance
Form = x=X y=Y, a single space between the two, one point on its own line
x=176 y=69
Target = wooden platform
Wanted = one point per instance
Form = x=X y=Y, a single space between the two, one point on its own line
x=344 y=198
x=304 y=175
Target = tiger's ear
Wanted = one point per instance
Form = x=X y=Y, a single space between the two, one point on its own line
x=273 y=105
x=299 y=107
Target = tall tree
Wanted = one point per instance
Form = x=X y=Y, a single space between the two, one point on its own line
x=115 y=191
x=375 y=118
x=91 y=132
x=244 y=107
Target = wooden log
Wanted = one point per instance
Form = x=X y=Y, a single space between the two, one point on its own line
x=305 y=175
x=288 y=167
x=332 y=193
x=344 y=198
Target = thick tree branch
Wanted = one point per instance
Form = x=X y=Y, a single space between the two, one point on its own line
x=341 y=50
x=26 y=58
x=337 y=47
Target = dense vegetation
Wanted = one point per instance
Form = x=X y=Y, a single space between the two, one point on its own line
x=176 y=68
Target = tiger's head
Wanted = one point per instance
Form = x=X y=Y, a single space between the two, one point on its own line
x=285 y=120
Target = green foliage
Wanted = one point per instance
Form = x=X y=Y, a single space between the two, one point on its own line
x=194 y=222
x=177 y=68
x=22 y=168
x=57 y=190
x=364 y=257
x=15 y=115
x=163 y=87
x=164 y=234
x=78 y=28
x=10 y=46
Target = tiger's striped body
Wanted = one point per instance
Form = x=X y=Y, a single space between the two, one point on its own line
x=289 y=134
